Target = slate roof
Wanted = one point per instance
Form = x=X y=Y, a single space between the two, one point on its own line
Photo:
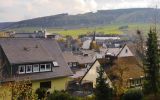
x=130 y=63
x=69 y=57
x=84 y=59
x=28 y=50
x=113 y=51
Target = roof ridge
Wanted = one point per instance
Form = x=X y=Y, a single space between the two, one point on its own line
x=121 y=50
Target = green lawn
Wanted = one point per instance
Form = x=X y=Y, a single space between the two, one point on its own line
x=76 y=32
x=109 y=29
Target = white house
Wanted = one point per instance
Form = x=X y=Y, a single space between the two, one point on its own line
x=92 y=74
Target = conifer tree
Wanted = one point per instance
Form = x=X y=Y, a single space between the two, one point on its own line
x=152 y=84
x=102 y=91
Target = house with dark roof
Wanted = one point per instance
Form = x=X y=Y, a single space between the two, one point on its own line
x=132 y=76
x=70 y=59
x=91 y=74
x=35 y=34
x=39 y=60
x=120 y=52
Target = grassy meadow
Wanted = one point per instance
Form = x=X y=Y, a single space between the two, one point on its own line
x=108 y=29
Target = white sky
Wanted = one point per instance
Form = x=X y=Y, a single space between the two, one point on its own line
x=15 y=10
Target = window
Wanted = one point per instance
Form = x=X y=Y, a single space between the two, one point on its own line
x=74 y=64
x=45 y=67
x=126 y=50
x=21 y=69
x=85 y=55
x=45 y=84
x=28 y=68
x=36 y=68
x=70 y=64
x=48 y=67
x=42 y=67
x=55 y=63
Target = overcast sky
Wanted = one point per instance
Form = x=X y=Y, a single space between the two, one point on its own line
x=15 y=10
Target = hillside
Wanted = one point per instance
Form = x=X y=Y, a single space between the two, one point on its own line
x=5 y=24
x=102 y=17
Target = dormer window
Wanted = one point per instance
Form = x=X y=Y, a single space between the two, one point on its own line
x=36 y=68
x=55 y=63
x=45 y=67
x=28 y=68
x=85 y=55
x=21 y=69
x=42 y=67
x=48 y=67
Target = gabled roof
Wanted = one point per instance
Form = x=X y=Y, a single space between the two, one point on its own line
x=69 y=57
x=84 y=59
x=113 y=51
x=101 y=61
x=35 y=50
x=134 y=69
x=119 y=51
x=27 y=50
x=130 y=66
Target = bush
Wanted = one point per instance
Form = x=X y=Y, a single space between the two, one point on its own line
x=41 y=92
x=133 y=94
x=60 y=95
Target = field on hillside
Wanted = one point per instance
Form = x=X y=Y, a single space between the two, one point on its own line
x=110 y=29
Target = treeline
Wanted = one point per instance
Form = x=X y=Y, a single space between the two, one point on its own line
x=103 y=17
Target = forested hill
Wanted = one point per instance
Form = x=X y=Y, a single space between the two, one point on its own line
x=102 y=17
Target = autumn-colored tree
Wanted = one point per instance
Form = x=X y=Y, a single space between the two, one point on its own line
x=22 y=90
x=116 y=73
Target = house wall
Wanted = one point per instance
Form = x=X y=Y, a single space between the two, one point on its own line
x=56 y=84
x=4 y=65
x=92 y=74
x=125 y=52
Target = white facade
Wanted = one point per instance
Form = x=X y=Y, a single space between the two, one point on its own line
x=92 y=74
x=125 y=52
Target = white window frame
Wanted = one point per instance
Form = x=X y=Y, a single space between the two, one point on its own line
x=27 y=67
x=74 y=64
x=19 y=68
x=45 y=69
x=49 y=68
x=35 y=65
x=70 y=64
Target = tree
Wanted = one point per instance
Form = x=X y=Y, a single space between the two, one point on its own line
x=116 y=74
x=152 y=84
x=102 y=91
x=22 y=90
x=42 y=93
x=61 y=95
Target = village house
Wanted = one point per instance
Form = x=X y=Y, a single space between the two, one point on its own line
x=70 y=59
x=35 y=34
x=113 y=65
x=39 y=60
x=91 y=74
x=120 y=51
